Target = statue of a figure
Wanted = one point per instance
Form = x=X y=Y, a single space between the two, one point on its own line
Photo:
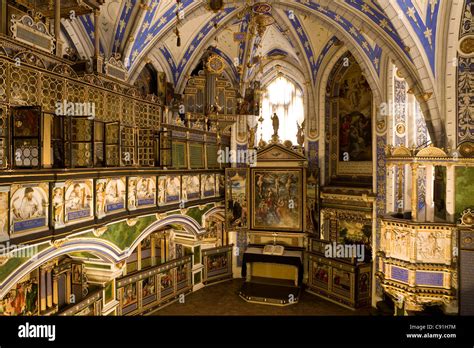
x=252 y=132
x=276 y=124
x=300 y=134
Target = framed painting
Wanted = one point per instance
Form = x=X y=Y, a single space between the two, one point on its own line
x=208 y=184
x=29 y=208
x=129 y=298
x=166 y=284
x=77 y=274
x=4 y=201
x=277 y=203
x=21 y=300
x=78 y=201
x=148 y=290
x=141 y=192
x=236 y=212
x=110 y=196
x=169 y=189
x=191 y=187
x=182 y=276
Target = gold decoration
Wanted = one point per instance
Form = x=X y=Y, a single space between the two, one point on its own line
x=466 y=45
x=400 y=128
x=400 y=74
x=215 y=64
x=427 y=96
x=98 y=232
x=467 y=217
x=132 y=222
x=467 y=149
x=431 y=151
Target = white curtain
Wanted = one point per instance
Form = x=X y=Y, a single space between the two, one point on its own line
x=286 y=100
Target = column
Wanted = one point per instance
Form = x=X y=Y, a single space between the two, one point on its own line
x=153 y=251
x=68 y=287
x=55 y=290
x=49 y=288
x=43 y=289
x=391 y=207
x=211 y=84
x=429 y=193
x=400 y=170
x=3 y=17
x=57 y=26
x=139 y=257
x=450 y=193
x=96 y=34
x=97 y=60
x=414 y=191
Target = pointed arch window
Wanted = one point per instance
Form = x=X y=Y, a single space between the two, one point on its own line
x=285 y=99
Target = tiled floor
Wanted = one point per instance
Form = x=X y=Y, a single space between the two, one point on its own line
x=223 y=299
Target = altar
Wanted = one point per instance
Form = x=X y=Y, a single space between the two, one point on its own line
x=276 y=190
x=284 y=269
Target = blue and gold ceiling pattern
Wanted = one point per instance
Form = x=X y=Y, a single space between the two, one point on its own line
x=426 y=29
x=154 y=24
x=123 y=22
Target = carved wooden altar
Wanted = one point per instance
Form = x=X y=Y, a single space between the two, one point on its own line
x=276 y=217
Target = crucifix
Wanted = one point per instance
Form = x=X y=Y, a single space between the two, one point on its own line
x=275 y=235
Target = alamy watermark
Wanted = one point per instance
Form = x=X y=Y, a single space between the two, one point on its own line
x=65 y=108
x=8 y=251
x=228 y=156
x=346 y=251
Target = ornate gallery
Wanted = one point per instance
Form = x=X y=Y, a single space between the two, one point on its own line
x=153 y=149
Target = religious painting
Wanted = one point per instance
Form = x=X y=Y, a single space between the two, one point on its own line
x=4 y=193
x=350 y=123
x=364 y=283
x=57 y=204
x=110 y=196
x=191 y=187
x=353 y=232
x=182 y=276
x=162 y=87
x=320 y=275
x=166 y=283
x=236 y=202
x=214 y=232
x=76 y=274
x=355 y=115
x=220 y=185
x=217 y=264
x=141 y=192
x=148 y=290
x=129 y=295
x=179 y=251
x=208 y=184
x=341 y=282
x=277 y=199
x=312 y=213
x=22 y=299
x=78 y=201
x=355 y=139
x=29 y=208
x=169 y=189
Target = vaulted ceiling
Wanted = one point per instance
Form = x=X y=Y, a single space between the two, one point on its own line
x=305 y=34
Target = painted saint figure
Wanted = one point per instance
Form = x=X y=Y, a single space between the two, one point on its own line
x=29 y=206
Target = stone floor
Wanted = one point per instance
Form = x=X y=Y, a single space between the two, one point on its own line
x=223 y=299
